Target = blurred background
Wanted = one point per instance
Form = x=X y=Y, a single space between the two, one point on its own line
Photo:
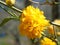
x=9 y=33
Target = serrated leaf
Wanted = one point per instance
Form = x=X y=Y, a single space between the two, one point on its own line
x=5 y=21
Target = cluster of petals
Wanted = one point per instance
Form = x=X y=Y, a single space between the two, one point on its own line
x=47 y=41
x=32 y=22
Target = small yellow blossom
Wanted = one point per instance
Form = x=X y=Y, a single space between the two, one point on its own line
x=50 y=29
x=10 y=2
x=32 y=22
x=47 y=41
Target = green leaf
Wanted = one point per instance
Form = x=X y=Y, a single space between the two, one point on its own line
x=5 y=21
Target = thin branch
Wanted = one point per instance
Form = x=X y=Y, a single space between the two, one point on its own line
x=12 y=14
x=51 y=38
x=54 y=24
x=45 y=3
x=34 y=2
x=14 y=8
x=6 y=10
x=55 y=35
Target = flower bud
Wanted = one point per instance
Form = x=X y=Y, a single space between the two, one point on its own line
x=10 y=2
x=50 y=29
x=58 y=33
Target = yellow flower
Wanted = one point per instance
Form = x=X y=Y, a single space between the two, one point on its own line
x=10 y=2
x=47 y=41
x=32 y=22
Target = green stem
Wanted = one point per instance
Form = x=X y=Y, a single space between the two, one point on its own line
x=55 y=40
x=55 y=35
x=12 y=14
x=49 y=38
x=6 y=10
x=14 y=8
